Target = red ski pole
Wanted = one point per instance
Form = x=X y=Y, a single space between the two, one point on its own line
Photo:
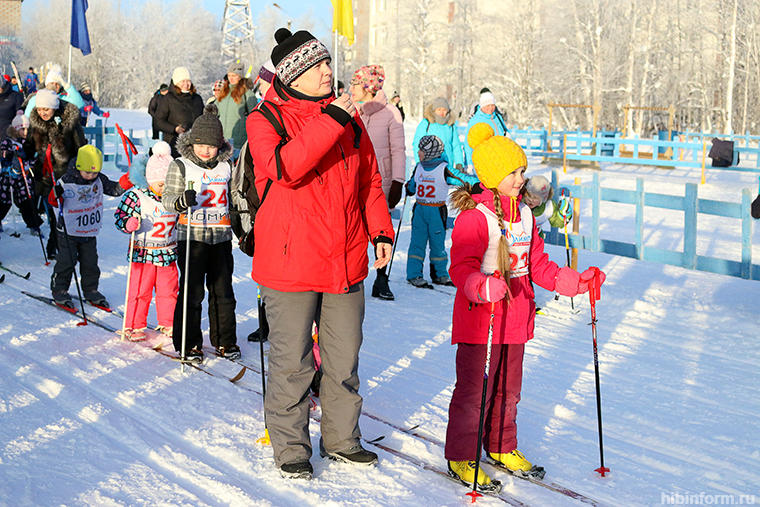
x=595 y=294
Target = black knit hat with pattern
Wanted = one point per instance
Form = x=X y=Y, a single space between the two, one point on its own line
x=295 y=53
x=207 y=129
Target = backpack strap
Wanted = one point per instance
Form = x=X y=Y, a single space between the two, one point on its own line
x=181 y=166
x=279 y=126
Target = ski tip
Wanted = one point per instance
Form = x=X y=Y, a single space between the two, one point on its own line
x=27 y=276
x=2 y=278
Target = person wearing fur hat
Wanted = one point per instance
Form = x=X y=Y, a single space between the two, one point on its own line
x=486 y=112
x=55 y=82
x=236 y=100
x=154 y=252
x=386 y=131
x=10 y=103
x=178 y=109
x=430 y=183
x=325 y=200
x=79 y=195
x=439 y=122
x=55 y=137
x=205 y=161
x=496 y=256
x=90 y=105
x=15 y=179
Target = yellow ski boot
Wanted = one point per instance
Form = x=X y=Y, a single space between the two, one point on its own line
x=515 y=463
x=464 y=472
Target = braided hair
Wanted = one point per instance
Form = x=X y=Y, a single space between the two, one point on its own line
x=503 y=261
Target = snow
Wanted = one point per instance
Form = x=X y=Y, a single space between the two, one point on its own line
x=87 y=419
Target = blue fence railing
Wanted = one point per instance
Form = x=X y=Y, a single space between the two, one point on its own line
x=691 y=206
x=107 y=140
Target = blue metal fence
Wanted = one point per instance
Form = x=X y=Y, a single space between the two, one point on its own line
x=690 y=204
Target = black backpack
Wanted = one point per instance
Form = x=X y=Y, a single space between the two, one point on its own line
x=722 y=153
x=245 y=197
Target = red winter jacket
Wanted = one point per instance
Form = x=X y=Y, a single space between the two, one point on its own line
x=513 y=323
x=313 y=227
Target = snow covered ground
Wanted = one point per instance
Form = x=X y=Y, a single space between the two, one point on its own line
x=87 y=419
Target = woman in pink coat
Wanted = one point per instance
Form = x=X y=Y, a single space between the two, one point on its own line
x=386 y=131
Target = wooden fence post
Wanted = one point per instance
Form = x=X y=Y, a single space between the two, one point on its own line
x=576 y=225
x=690 y=211
x=746 y=234
x=639 y=218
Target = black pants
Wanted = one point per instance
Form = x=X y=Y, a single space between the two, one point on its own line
x=75 y=249
x=212 y=264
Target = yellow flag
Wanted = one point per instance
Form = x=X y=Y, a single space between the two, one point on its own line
x=343 y=19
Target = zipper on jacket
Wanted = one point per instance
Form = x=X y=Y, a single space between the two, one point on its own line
x=319 y=177
x=343 y=155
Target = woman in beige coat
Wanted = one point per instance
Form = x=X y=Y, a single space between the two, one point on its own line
x=386 y=131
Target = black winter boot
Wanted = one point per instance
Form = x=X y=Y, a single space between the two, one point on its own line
x=381 y=289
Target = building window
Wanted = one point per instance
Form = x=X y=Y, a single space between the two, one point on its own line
x=383 y=37
x=373 y=36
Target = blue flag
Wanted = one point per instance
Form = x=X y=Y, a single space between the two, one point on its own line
x=80 y=37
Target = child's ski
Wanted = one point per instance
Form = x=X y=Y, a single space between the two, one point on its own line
x=25 y=277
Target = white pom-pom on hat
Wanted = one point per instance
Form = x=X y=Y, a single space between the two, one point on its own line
x=162 y=148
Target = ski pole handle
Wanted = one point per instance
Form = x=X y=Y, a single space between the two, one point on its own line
x=595 y=286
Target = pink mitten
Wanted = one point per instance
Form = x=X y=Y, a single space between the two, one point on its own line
x=133 y=223
x=567 y=282
x=481 y=288
x=586 y=277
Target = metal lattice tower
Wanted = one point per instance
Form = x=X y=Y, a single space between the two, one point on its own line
x=237 y=32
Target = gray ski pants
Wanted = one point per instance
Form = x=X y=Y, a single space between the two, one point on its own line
x=291 y=369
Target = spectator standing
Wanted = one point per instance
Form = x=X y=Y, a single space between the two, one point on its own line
x=177 y=111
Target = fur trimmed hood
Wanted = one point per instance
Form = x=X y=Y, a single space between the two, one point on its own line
x=429 y=115
x=137 y=173
x=65 y=137
x=13 y=133
x=185 y=149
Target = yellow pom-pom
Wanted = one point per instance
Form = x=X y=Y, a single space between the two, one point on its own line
x=479 y=133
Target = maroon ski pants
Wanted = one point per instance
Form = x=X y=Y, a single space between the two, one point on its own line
x=502 y=395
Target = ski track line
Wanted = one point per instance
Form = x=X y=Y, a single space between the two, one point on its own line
x=194 y=483
x=663 y=445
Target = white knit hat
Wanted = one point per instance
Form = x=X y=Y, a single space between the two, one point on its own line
x=158 y=163
x=540 y=187
x=180 y=74
x=20 y=122
x=487 y=99
x=47 y=98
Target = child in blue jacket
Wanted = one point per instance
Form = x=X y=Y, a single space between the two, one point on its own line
x=430 y=184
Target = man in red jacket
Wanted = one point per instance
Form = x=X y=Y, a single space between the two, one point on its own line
x=324 y=203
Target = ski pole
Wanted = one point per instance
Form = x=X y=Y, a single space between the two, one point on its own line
x=595 y=294
x=187 y=267
x=398 y=231
x=129 y=279
x=29 y=194
x=15 y=232
x=71 y=254
x=567 y=247
x=265 y=439
x=474 y=493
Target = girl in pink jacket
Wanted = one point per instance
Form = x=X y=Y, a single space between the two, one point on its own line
x=495 y=234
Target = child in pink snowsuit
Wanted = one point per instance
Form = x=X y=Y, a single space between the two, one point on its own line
x=154 y=251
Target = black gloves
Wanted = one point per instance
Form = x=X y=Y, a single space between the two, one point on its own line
x=186 y=200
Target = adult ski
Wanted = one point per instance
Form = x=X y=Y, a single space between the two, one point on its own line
x=25 y=277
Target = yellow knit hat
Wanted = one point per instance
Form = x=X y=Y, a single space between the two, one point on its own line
x=494 y=157
x=89 y=159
